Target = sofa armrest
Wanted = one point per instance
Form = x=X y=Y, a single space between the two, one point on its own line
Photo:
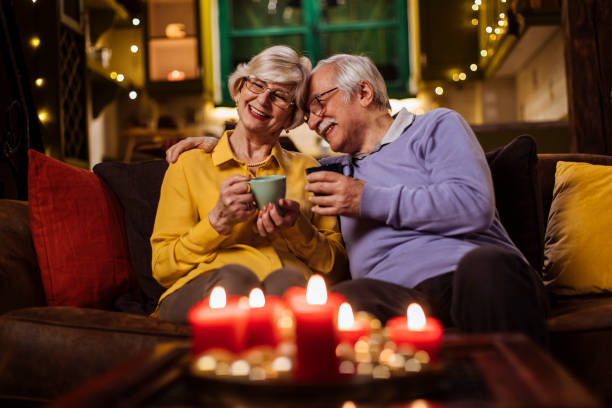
x=21 y=284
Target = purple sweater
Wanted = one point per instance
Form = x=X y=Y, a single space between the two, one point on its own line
x=428 y=200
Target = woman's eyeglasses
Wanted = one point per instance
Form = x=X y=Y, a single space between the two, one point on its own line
x=280 y=98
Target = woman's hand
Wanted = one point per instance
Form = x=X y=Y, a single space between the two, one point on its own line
x=235 y=204
x=269 y=219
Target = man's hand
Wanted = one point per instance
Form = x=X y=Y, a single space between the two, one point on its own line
x=336 y=194
x=235 y=204
x=269 y=220
x=206 y=143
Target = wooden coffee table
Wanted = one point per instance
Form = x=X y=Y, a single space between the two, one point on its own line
x=493 y=370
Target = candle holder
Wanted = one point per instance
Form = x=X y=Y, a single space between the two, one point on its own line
x=373 y=357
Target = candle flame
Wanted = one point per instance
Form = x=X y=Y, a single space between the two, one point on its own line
x=415 y=317
x=316 y=292
x=346 y=320
x=217 y=299
x=257 y=298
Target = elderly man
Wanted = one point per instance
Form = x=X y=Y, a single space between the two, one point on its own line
x=417 y=209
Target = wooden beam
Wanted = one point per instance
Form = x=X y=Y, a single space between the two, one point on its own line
x=587 y=28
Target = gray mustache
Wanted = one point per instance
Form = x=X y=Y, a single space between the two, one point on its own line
x=325 y=123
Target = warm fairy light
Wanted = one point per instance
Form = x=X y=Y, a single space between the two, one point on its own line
x=113 y=75
x=489 y=29
x=474 y=7
x=439 y=90
x=218 y=298
x=176 y=75
x=43 y=116
x=346 y=319
x=501 y=23
x=133 y=95
x=35 y=42
x=498 y=30
x=415 y=317
x=39 y=82
x=474 y=67
x=316 y=292
x=483 y=53
x=462 y=76
x=257 y=298
x=502 y=15
x=455 y=77
x=33 y=1
x=478 y=2
x=120 y=77
x=475 y=21
x=135 y=21
x=134 y=48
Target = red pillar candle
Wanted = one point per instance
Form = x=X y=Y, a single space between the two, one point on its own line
x=315 y=330
x=217 y=322
x=416 y=330
x=263 y=316
x=349 y=329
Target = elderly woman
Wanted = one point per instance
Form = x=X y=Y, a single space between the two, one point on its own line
x=207 y=231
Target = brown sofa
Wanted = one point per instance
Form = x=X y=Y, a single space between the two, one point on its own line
x=46 y=351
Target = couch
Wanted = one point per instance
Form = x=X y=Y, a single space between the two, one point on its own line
x=48 y=348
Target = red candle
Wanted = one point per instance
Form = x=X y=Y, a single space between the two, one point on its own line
x=416 y=330
x=315 y=330
x=263 y=316
x=218 y=323
x=349 y=329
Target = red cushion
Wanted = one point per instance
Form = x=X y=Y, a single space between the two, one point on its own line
x=79 y=235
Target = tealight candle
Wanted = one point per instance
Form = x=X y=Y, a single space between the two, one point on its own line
x=349 y=329
x=315 y=314
x=263 y=316
x=217 y=322
x=416 y=330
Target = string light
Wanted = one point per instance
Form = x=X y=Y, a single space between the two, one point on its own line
x=120 y=77
x=134 y=48
x=135 y=21
x=113 y=75
x=439 y=90
x=474 y=67
x=39 y=82
x=498 y=30
x=133 y=95
x=501 y=23
x=489 y=29
x=43 y=116
x=483 y=53
x=475 y=7
x=35 y=42
x=462 y=76
x=475 y=21
x=455 y=77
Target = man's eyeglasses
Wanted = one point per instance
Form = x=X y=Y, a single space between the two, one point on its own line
x=280 y=98
x=316 y=104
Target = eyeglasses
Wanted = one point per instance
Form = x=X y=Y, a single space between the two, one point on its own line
x=280 y=98
x=316 y=103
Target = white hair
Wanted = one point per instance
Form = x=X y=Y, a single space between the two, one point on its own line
x=280 y=64
x=351 y=70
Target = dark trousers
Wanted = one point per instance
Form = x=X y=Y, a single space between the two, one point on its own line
x=492 y=290
x=237 y=280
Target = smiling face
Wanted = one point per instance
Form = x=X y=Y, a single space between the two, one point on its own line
x=259 y=115
x=339 y=121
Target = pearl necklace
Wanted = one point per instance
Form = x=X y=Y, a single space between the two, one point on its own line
x=258 y=163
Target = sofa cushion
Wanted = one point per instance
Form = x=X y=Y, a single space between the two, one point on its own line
x=579 y=231
x=137 y=185
x=514 y=168
x=78 y=232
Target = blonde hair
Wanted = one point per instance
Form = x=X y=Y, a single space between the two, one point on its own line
x=279 y=64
